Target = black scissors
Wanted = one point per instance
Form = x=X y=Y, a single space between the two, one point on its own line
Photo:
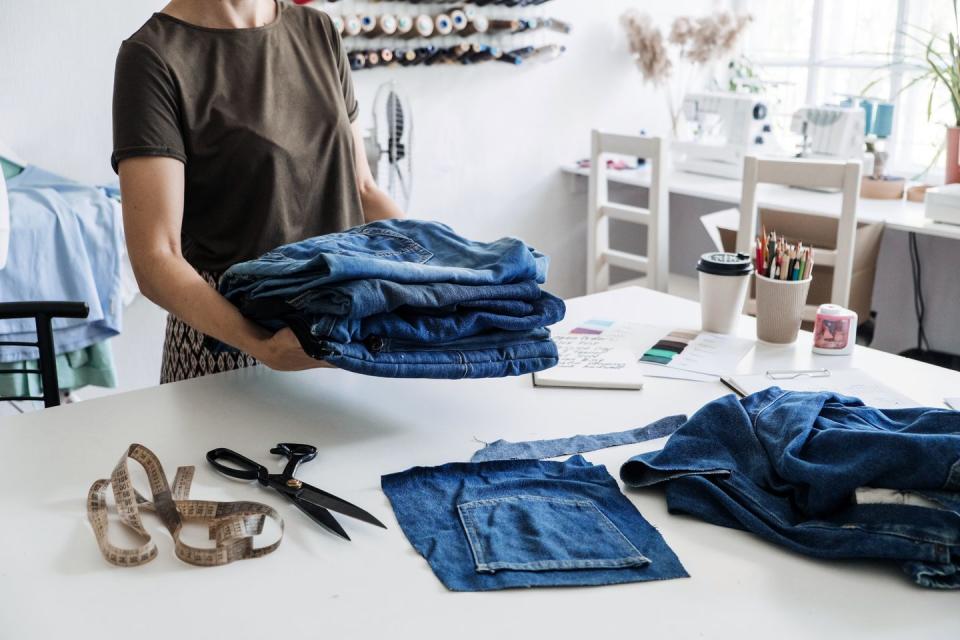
x=312 y=501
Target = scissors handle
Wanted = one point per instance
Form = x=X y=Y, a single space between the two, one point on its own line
x=244 y=469
x=295 y=453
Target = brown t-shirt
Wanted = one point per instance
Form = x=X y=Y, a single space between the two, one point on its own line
x=260 y=117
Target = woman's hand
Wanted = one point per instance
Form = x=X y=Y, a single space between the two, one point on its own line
x=282 y=352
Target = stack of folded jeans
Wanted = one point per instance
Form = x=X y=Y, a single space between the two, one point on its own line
x=407 y=299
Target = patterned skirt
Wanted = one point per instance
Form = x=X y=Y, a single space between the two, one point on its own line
x=184 y=353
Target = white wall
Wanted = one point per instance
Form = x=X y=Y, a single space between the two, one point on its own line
x=488 y=137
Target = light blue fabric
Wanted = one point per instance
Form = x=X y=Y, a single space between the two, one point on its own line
x=65 y=244
x=541 y=449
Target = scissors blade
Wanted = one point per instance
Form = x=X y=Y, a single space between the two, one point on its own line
x=321 y=498
x=320 y=515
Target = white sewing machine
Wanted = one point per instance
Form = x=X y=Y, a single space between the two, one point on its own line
x=831 y=132
x=725 y=128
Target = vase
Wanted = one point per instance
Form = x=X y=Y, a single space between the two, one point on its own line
x=953 y=155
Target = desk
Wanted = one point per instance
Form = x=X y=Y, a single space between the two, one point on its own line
x=896 y=214
x=54 y=584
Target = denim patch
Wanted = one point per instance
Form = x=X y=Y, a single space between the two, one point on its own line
x=527 y=523
x=539 y=533
x=540 y=449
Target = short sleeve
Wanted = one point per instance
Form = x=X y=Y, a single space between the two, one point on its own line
x=343 y=69
x=146 y=115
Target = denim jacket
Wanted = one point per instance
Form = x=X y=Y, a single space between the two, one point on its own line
x=788 y=466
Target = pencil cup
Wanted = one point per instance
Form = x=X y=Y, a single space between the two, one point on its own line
x=780 y=306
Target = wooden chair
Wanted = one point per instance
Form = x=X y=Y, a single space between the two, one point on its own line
x=655 y=264
x=809 y=174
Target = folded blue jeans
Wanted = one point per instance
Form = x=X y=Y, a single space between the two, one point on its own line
x=405 y=298
x=527 y=523
x=789 y=466
x=403 y=251
x=490 y=356
x=445 y=321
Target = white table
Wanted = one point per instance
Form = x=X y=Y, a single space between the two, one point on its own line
x=896 y=214
x=54 y=584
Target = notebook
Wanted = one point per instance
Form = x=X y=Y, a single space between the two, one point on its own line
x=597 y=354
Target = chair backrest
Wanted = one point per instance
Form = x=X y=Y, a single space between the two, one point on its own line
x=42 y=314
x=809 y=174
x=655 y=216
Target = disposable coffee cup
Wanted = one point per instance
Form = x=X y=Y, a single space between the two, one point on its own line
x=724 y=280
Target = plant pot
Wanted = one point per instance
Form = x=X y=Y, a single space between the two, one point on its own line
x=886 y=188
x=953 y=155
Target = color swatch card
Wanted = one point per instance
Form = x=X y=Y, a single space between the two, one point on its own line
x=699 y=352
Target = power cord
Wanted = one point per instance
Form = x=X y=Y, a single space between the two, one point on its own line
x=919 y=304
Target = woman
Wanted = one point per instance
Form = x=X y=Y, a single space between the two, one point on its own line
x=234 y=132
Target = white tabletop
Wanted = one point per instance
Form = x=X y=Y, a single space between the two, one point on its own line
x=54 y=583
x=896 y=214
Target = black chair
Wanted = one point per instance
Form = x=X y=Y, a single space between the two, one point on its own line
x=42 y=313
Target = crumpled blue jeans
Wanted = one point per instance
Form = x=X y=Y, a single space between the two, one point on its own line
x=405 y=298
x=526 y=523
x=787 y=466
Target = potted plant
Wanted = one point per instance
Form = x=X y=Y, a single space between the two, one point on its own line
x=942 y=59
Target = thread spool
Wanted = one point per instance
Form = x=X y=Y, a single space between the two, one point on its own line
x=459 y=20
x=386 y=25
x=404 y=26
x=443 y=24
x=479 y=24
x=352 y=26
x=337 y=24
x=422 y=27
x=834 y=330
x=504 y=25
x=368 y=25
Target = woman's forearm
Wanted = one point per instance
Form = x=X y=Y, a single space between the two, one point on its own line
x=377 y=205
x=170 y=282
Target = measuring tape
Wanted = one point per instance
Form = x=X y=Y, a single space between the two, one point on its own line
x=233 y=525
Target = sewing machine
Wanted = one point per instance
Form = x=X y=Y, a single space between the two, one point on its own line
x=725 y=128
x=831 y=132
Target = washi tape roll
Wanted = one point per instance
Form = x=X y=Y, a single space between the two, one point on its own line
x=834 y=331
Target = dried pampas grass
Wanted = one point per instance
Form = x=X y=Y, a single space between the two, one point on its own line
x=647 y=46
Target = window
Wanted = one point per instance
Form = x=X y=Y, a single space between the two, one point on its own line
x=820 y=51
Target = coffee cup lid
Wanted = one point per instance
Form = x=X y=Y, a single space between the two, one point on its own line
x=720 y=263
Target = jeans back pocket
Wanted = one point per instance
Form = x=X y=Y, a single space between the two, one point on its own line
x=540 y=533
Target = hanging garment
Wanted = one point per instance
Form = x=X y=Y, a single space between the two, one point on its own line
x=541 y=449
x=405 y=298
x=66 y=244
x=527 y=523
x=789 y=466
x=90 y=366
